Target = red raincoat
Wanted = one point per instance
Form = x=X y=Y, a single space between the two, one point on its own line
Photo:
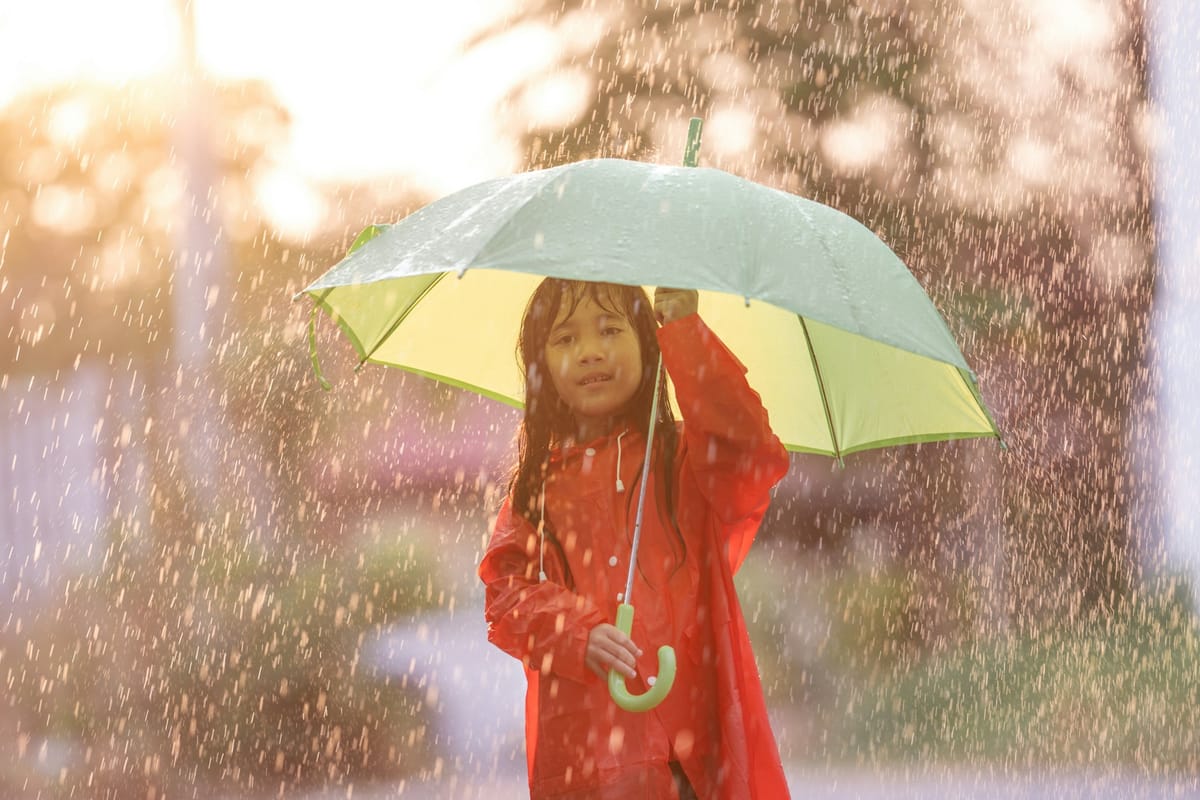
x=714 y=721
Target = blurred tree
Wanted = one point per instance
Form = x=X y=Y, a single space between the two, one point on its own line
x=999 y=149
x=94 y=189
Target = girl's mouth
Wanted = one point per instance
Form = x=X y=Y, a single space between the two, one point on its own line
x=587 y=380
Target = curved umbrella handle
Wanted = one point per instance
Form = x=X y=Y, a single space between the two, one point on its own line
x=662 y=684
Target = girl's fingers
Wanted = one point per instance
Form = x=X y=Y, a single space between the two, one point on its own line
x=608 y=648
x=618 y=658
x=610 y=637
x=624 y=658
x=671 y=304
x=622 y=642
x=602 y=668
x=601 y=663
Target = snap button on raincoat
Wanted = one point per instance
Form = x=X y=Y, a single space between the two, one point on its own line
x=714 y=722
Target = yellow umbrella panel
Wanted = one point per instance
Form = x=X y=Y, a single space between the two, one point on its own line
x=827 y=391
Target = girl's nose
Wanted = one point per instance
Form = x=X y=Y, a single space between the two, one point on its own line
x=590 y=349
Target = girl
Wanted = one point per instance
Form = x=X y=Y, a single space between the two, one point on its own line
x=556 y=565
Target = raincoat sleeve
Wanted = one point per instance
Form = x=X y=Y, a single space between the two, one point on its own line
x=730 y=448
x=542 y=623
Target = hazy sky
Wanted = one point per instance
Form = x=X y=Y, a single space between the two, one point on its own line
x=374 y=87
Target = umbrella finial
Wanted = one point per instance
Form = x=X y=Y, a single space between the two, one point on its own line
x=692 y=152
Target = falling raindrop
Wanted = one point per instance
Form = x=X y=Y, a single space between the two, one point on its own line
x=220 y=580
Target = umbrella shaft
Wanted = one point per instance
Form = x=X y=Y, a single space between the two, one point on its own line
x=641 y=506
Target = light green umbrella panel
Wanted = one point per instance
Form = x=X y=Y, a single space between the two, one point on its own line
x=843 y=344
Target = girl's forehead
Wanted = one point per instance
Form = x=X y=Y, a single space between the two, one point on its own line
x=586 y=305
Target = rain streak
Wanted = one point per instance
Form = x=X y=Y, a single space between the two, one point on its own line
x=219 y=579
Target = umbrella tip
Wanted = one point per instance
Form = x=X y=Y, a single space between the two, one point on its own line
x=692 y=152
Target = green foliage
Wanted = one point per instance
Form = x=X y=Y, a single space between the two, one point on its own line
x=1119 y=690
x=837 y=627
x=881 y=621
x=225 y=664
x=879 y=667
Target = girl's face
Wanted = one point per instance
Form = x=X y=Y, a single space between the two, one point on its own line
x=595 y=362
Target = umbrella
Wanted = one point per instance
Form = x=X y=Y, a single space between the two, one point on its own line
x=843 y=344
x=839 y=339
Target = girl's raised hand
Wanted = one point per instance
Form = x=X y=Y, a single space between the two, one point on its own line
x=608 y=648
x=673 y=304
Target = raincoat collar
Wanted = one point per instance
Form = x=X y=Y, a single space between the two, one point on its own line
x=570 y=448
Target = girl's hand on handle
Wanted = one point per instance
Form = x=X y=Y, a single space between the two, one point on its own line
x=608 y=648
x=673 y=304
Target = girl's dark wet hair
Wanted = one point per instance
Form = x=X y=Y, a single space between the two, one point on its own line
x=548 y=422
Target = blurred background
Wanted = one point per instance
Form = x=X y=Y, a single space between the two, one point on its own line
x=219 y=580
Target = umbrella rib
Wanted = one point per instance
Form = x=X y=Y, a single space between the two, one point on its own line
x=812 y=354
x=973 y=388
x=403 y=316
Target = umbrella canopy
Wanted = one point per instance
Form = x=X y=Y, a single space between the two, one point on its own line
x=845 y=347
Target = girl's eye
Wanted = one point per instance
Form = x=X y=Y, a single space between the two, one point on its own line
x=612 y=331
x=560 y=341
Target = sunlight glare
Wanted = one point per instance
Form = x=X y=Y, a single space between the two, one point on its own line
x=375 y=89
x=1068 y=28
x=732 y=130
x=866 y=136
x=293 y=207
x=50 y=42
